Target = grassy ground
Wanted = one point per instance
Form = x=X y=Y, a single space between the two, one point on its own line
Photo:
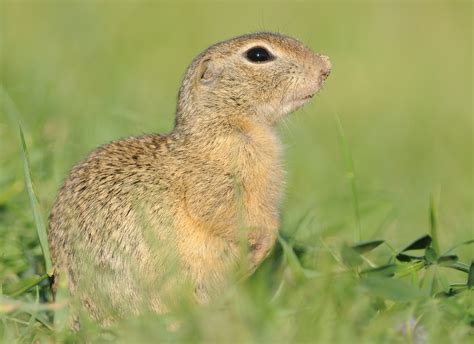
x=80 y=74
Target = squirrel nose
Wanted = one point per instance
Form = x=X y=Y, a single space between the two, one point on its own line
x=325 y=73
x=326 y=66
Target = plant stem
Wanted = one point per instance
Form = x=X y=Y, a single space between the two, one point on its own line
x=350 y=174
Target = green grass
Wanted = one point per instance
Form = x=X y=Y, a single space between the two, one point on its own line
x=390 y=177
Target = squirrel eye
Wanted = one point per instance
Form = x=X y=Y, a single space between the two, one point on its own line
x=259 y=55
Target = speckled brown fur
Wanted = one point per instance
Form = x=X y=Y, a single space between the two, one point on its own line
x=145 y=217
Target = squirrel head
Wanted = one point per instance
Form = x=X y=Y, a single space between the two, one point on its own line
x=258 y=77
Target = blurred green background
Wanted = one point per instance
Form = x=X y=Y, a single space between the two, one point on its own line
x=83 y=73
x=87 y=72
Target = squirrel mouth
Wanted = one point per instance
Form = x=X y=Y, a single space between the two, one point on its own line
x=313 y=93
x=306 y=97
x=300 y=101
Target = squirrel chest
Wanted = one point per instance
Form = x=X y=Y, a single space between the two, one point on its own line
x=239 y=182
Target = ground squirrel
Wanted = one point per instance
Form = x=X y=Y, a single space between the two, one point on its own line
x=144 y=217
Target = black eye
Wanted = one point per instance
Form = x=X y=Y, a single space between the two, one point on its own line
x=258 y=55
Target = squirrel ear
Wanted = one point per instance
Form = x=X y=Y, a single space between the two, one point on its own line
x=208 y=71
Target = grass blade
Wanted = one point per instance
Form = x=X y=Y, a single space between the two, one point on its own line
x=291 y=259
x=14 y=115
x=350 y=173
x=38 y=217
x=419 y=244
x=402 y=257
x=25 y=285
x=458 y=266
x=470 y=276
x=434 y=201
x=383 y=271
x=468 y=242
x=366 y=246
x=448 y=259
